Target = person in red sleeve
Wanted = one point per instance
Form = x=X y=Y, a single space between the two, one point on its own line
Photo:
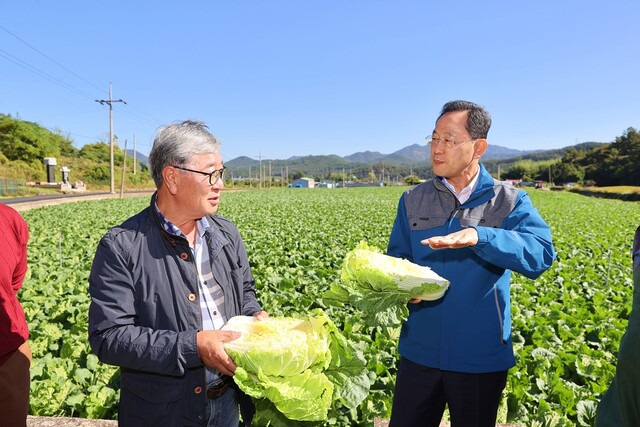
x=15 y=354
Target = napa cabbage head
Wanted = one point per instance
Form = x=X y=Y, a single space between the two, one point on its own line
x=278 y=346
x=367 y=266
x=381 y=285
x=303 y=366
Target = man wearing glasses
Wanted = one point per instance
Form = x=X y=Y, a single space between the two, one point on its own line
x=472 y=230
x=163 y=284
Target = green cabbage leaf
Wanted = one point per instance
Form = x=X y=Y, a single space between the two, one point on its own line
x=380 y=285
x=304 y=367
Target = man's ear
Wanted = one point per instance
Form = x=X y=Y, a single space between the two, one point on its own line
x=479 y=148
x=170 y=179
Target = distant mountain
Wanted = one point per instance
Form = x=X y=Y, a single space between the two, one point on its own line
x=417 y=153
x=555 y=153
x=139 y=157
x=410 y=159
x=365 y=156
x=242 y=162
x=496 y=152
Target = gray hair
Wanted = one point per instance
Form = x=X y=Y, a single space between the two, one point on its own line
x=177 y=143
x=478 y=119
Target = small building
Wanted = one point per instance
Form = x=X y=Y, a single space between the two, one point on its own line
x=327 y=183
x=303 y=183
x=362 y=184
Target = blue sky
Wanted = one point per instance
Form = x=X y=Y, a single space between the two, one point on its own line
x=283 y=78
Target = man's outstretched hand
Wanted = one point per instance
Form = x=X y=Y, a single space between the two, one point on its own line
x=459 y=239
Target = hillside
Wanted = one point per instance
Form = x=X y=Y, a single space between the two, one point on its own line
x=139 y=157
x=364 y=156
x=410 y=160
x=540 y=155
x=24 y=145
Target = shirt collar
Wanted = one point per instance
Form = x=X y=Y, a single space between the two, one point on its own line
x=202 y=224
x=466 y=192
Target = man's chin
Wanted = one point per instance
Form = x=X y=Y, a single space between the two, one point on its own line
x=438 y=170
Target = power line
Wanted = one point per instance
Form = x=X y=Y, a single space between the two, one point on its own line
x=63 y=132
x=51 y=59
x=149 y=119
x=139 y=118
x=41 y=73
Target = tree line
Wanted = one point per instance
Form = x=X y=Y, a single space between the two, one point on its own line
x=23 y=146
x=616 y=163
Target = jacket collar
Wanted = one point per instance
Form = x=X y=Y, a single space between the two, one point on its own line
x=213 y=235
x=482 y=194
x=157 y=222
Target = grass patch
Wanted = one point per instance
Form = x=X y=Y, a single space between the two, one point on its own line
x=619 y=189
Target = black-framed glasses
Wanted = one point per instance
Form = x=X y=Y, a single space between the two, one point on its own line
x=213 y=176
x=448 y=141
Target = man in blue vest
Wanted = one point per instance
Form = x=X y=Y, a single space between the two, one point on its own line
x=472 y=230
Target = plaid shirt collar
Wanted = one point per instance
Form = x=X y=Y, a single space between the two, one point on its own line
x=203 y=224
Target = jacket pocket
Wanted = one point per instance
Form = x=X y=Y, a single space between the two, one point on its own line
x=426 y=222
x=473 y=221
x=483 y=216
x=150 y=400
x=153 y=389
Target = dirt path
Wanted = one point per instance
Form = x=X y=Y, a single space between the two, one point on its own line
x=38 y=202
x=32 y=204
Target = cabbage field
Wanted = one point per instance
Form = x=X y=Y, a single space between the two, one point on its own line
x=567 y=324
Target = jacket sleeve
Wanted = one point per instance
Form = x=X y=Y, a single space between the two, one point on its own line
x=523 y=244
x=399 y=241
x=250 y=304
x=113 y=334
x=22 y=232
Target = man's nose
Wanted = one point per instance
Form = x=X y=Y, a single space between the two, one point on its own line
x=437 y=147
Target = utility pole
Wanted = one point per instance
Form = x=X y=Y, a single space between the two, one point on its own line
x=261 y=175
x=135 y=165
x=110 y=102
x=124 y=168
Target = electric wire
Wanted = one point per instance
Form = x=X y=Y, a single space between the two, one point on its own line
x=139 y=117
x=19 y=62
x=51 y=59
